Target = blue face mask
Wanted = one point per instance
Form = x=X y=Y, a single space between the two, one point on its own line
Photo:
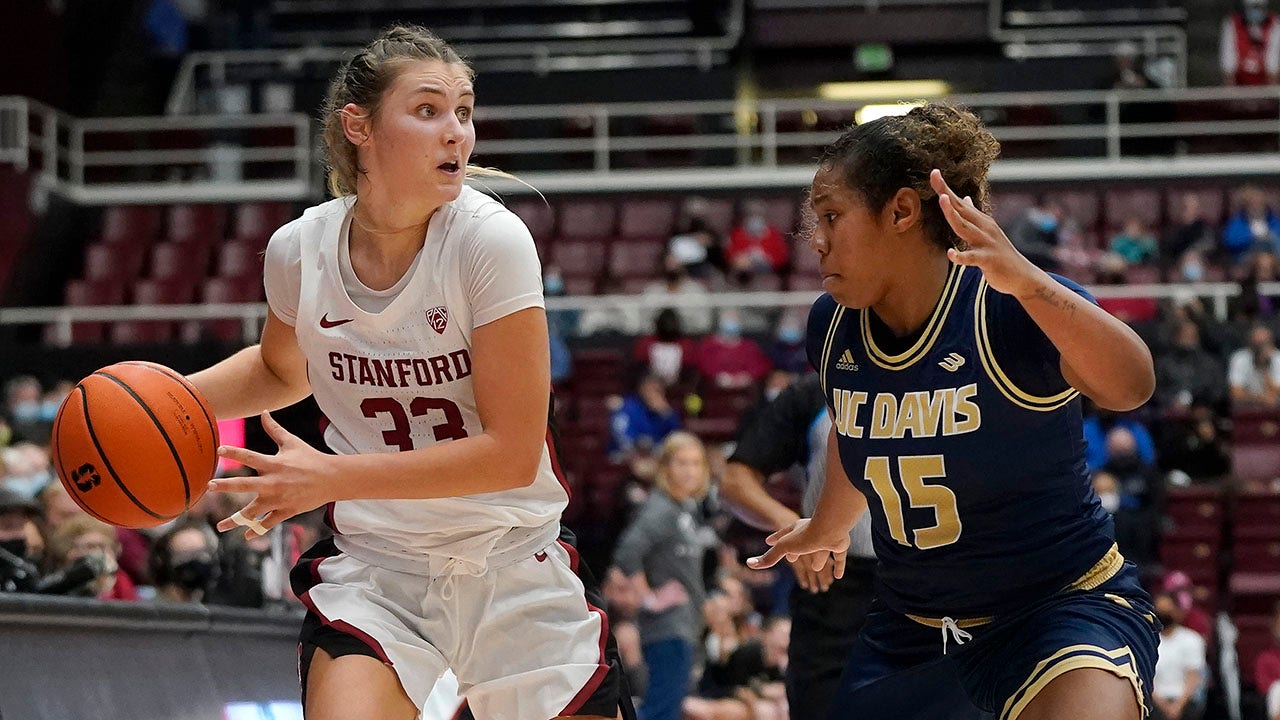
x=28 y=485
x=1047 y=223
x=1193 y=273
x=730 y=328
x=790 y=335
x=756 y=225
x=553 y=285
x=26 y=411
x=48 y=410
x=1255 y=15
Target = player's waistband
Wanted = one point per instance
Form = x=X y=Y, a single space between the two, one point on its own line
x=1106 y=568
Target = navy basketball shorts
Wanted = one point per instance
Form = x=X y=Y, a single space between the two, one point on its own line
x=899 y=667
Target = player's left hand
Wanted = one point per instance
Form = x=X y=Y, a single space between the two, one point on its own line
x=985 y=245
x=294 y=480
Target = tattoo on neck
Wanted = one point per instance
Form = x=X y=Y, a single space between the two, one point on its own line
x=1056 y=298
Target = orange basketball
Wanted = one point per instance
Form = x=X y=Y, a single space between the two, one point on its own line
x=135 y=444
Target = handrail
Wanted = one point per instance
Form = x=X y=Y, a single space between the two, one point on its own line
x=251 y=314
x=1084 y=134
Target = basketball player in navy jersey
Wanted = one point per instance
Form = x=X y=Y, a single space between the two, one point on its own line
x=953 y=368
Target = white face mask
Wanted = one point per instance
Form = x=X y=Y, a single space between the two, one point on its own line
x=1110 y=501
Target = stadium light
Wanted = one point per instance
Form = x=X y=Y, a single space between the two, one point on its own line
x=884 y=90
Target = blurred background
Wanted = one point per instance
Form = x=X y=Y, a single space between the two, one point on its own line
x=149 y=148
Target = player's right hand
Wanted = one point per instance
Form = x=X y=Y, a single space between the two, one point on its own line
x=802 y=539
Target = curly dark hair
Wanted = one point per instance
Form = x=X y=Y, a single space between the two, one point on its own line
x=880 y=157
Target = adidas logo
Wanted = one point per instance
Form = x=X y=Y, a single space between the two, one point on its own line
x=846 y=362
x=952 y=362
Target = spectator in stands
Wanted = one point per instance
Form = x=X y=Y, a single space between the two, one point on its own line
x=1135 y=243
x=753 y=680
x=1252 y=304
x=1038 y=233
x=562 y=321
x=696 y=319
x=730 y=360
x=1254 y=371
x=1178 y=584
x=1190 y=267
x=28 y=468
x=1194 y=445
x=184 y=563
x=19 y=569
x=1250 y=45
x=1140 y=489
x=755 y=246
x=660 y=554
x=1177 y=691
x=1098 y=424
x=1187 y=373
x=642 y=421
x=1266 y=673
x=559 y=322
x=697 y=248
x=1255 y=226
x=788 y=352
x=667 y=353
x=28 y=417
x=85 y=557
x=1189 y=231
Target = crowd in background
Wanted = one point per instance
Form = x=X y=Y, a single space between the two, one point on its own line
x=703 y=637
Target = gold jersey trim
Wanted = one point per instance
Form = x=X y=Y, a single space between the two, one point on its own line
x=1106 y=568
x=1119 y=662
x=927 y=338
x=1007 y=387
x=827 y=343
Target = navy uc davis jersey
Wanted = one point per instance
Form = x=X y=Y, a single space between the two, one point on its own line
x=969 y=448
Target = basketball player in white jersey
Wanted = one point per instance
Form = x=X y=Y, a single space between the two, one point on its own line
x=411 y=308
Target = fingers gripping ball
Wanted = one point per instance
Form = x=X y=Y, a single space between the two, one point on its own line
x=135 y=444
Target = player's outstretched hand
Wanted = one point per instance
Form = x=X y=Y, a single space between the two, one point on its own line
x=984 y=244
x=294 y=480
x=802 y=539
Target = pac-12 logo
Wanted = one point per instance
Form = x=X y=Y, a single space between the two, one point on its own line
x=439 y=318
x=85 y=477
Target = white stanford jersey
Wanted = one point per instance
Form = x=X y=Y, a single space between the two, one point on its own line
x=401 y=379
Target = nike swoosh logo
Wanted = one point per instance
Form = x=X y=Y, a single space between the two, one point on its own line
x=540 y=557
x=325 y=322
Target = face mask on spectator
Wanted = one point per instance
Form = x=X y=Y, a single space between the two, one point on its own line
x=790 y=335
x=1045 y=222
x=553 y=285
x=756 y=225
x=1110 y=501
x=1193 y=272
x=28 y=485
x=196 y=574
x=17 y=546
x=26 y=411
x=1255 y=15
x=730 y=329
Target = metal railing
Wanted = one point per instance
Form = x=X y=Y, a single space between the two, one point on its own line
x=251 y=315
x=1072 y=135
x=211 y=158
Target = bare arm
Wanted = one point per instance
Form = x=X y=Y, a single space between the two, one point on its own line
x=266 y=376
x=1101 y=356
x=743 y=487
